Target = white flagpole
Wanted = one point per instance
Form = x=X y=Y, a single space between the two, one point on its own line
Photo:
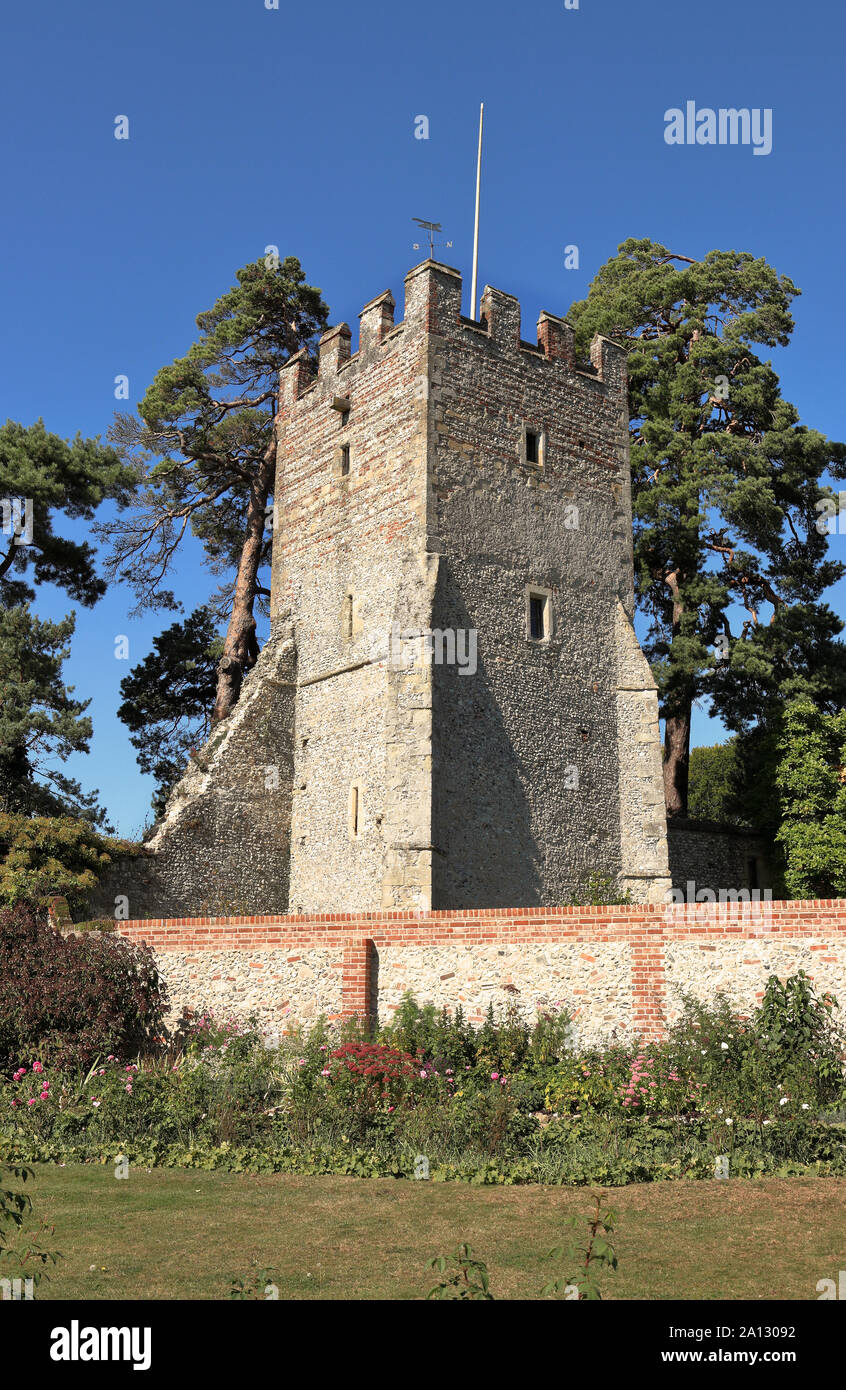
x=473 y=286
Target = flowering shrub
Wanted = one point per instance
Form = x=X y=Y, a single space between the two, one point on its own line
x=371 y=1076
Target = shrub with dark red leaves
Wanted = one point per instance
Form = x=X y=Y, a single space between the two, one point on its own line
x=68 y=999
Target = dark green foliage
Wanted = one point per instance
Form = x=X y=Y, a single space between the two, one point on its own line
x=767 y=1091
x=462 y=1276
x=168 y=699
x=70 y=479
x=588 y=1262
x=23 y=1260
x=713 y=781
x=40 y=719
x=725 y=487
x=812 y=787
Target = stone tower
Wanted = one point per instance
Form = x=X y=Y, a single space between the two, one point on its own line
x=452 y=710
x=451 y=479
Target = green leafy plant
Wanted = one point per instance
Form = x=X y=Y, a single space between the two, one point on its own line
x=16 y=1215
x=467 y=1277
x=587 y=1262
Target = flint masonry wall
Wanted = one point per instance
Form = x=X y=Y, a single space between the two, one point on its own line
x=622 y=971
x=349 y=560
x=537 y=777
x=718 y=856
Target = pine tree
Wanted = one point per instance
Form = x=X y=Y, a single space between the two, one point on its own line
x=43 y=477
x=206 y=445
x=725 y=487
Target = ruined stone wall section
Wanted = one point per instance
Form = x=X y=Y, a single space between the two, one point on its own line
x=715 y=858
x=223 y=843
x=645 y=872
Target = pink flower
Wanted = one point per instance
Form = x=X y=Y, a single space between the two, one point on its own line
x=494 y=1076
x=31 y=1100
x=128 y=1087
x=326 y=1072
x=36 y=1066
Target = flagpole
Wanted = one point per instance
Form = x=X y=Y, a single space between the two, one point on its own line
x=473 y=286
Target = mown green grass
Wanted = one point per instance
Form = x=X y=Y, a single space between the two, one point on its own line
x=170 y=1234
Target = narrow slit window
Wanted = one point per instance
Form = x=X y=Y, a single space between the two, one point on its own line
x=532 y=446
x=355 y=811
x=345 y=460
x=538 y=617
x=347 y=616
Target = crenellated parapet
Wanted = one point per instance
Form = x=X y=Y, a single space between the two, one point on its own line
x=433 y=306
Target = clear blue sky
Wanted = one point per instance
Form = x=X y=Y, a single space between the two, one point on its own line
x=295 y=127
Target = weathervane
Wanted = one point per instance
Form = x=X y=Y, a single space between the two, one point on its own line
x=431 y=228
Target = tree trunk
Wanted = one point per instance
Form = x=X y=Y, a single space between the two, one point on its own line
x=240 y=650
x=676 y=763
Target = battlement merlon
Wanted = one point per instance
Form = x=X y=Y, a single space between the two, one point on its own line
x=433 y=305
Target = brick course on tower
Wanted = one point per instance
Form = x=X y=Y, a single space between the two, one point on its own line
x=435 y=481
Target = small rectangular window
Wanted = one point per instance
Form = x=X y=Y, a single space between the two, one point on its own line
x=345 y=460
x=532 y=446
x=538 y=614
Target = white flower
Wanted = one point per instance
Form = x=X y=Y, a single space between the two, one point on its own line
x=719 y=1112
x=768 y=1122
x=783 y=1100
x=805 y=1106
x=704 y=1050
x=724 y=1046
x=729 y=1122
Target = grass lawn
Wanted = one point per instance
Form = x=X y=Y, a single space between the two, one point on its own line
x=171 y=1234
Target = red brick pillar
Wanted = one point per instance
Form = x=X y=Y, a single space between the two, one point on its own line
x=649 y=994
x=358 y=981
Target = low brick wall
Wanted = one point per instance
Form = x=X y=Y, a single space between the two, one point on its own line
x=620 y=970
